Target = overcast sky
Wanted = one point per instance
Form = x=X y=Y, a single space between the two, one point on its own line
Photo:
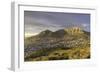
x=36 y=22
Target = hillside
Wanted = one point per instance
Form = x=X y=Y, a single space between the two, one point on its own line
x=62 y=42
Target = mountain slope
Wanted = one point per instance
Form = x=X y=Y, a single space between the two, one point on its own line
x=49 y=41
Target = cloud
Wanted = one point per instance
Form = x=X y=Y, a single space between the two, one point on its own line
x=39 y=21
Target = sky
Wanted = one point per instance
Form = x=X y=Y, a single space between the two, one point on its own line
x=37 y=21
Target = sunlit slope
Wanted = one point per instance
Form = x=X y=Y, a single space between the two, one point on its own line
x=74 y=43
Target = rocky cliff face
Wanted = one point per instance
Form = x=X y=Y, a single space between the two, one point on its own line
x=74 y=30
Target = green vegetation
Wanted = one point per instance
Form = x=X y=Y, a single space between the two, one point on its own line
x=59 y=54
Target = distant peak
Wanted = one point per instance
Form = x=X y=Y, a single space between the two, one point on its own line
x=46 y=33
x=47 y=30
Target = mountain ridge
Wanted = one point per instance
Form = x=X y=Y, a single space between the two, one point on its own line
x=48 y=40
x=49 y=37
x=61 y=32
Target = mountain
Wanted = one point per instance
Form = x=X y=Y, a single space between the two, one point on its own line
x=64 y=38
x=61 y=32
x=46 y=33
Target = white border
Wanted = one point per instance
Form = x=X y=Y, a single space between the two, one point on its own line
x=18 y=37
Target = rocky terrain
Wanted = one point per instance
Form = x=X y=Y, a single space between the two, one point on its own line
x=69 y=43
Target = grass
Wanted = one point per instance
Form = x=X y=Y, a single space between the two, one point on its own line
x=59 y=54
